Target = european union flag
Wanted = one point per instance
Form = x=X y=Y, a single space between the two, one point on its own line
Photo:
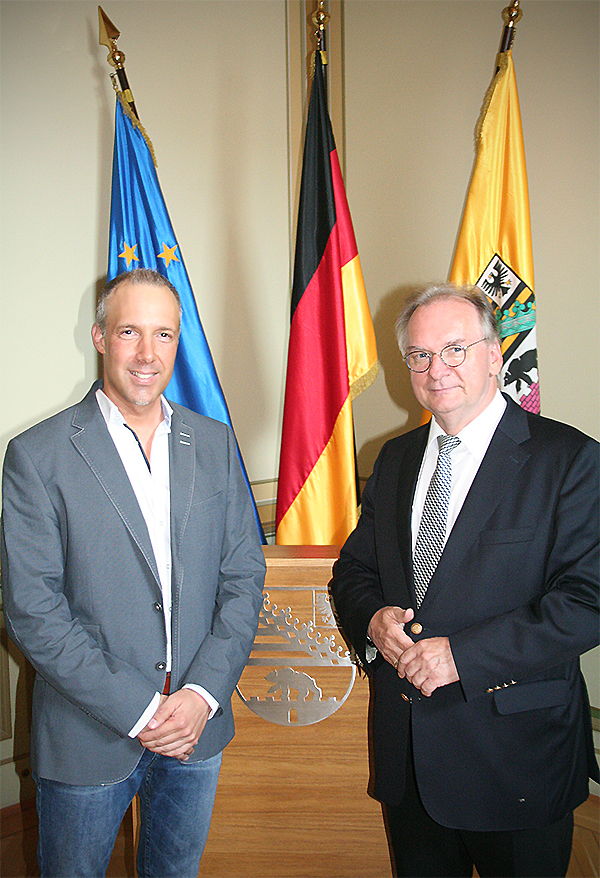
x=141 y=236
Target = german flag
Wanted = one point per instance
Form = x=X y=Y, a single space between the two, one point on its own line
x=332 y=356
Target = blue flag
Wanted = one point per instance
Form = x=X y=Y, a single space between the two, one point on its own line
x=141 y=236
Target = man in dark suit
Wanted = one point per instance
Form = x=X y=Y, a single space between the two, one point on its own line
x=132 y=576
x=469 y=589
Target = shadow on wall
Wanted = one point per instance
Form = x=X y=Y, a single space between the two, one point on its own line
x=54 y=354
x=395 y=373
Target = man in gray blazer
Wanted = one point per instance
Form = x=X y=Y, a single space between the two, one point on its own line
x=132 y=577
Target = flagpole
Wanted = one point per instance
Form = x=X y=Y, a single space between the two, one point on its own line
x=510 y=15
x=108 y=37
x=320 y=18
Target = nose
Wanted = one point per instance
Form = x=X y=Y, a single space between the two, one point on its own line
x=438 y=368
x=145 y=349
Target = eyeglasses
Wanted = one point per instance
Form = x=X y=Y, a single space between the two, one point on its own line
x=452 y=355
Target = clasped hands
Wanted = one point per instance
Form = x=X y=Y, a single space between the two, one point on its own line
x=427 y=664
x=175 y=728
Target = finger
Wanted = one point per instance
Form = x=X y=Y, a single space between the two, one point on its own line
x=167 y=737
x=162 y=715
x=400 y=667
x=174 y=748
x=409 y=659
x=406 y=615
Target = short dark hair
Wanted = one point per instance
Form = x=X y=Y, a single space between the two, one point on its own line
x=465 y=293
x=135 y=276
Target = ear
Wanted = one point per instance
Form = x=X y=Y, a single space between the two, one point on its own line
x=496 y=359
x=98 y=338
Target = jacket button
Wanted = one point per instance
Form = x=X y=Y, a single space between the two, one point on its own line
x=157 y=606
x=160 y=666
x=416 y=627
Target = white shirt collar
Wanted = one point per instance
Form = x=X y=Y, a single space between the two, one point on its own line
x=477 y=435
x=112 y=413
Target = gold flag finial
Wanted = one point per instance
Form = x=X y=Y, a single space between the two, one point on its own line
x=108 y=37
x=510 y=16
x=320 y=18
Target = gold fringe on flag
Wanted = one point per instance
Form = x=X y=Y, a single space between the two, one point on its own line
x=136 y=124
x=501 y=68
x=364 y=381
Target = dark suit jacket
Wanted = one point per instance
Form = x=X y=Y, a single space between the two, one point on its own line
x=82 y=593
x=516 y=592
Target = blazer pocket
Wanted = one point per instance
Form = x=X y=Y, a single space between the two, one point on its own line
x=531 y=696
x=207 y=501
x=510 y=535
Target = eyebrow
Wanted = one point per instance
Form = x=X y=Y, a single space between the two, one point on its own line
x=414 y=347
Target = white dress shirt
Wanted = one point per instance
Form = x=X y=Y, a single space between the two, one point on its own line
x=150 y=483
x=466 y=460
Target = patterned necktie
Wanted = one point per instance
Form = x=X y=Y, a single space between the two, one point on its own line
x=432 y=530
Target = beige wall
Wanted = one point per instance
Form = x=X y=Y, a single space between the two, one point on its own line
x=416 y=73
x=211 y=79
x=219 y=86
x=210 y=83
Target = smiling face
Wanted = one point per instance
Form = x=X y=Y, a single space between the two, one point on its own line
x=455 y=396
x=139 y=346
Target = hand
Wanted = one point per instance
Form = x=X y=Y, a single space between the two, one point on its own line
x=386 y=630
x=175 y=728
x=428 y=664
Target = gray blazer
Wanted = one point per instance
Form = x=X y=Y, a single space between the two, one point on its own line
x=82 y=595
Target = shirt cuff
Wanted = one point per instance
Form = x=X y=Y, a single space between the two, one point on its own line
x=212 y=702
x=146 y=716
x=370 y=651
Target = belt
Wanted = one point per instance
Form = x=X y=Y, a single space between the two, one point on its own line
x=167 y=688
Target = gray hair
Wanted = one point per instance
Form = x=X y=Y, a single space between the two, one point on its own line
x=465 y=293
x=135 y=276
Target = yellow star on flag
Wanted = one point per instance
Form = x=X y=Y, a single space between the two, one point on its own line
x=129 y=254
x=168 y=254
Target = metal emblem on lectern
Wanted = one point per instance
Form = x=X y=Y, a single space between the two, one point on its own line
x=296 y=674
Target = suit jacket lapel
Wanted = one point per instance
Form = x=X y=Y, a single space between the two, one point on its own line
x=398 y=482
x=93 y=442
x=182 y=474
x=408 y=485
x=504 y=457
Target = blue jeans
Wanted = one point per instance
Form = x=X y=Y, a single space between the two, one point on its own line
x=78 y=825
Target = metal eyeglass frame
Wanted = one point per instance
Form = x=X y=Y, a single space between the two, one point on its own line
x=440 y=354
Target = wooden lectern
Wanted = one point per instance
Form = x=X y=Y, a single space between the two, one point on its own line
x=292 y=799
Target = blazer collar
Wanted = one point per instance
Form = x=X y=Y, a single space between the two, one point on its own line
x=93 y=442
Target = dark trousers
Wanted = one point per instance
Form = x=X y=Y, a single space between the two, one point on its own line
x=423 y=848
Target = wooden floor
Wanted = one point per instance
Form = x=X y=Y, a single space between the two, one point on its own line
x=19 y=839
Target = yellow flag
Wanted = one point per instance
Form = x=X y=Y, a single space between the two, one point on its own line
x=494 y=249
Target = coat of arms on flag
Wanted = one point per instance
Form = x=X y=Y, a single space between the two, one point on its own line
x=515 y=314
